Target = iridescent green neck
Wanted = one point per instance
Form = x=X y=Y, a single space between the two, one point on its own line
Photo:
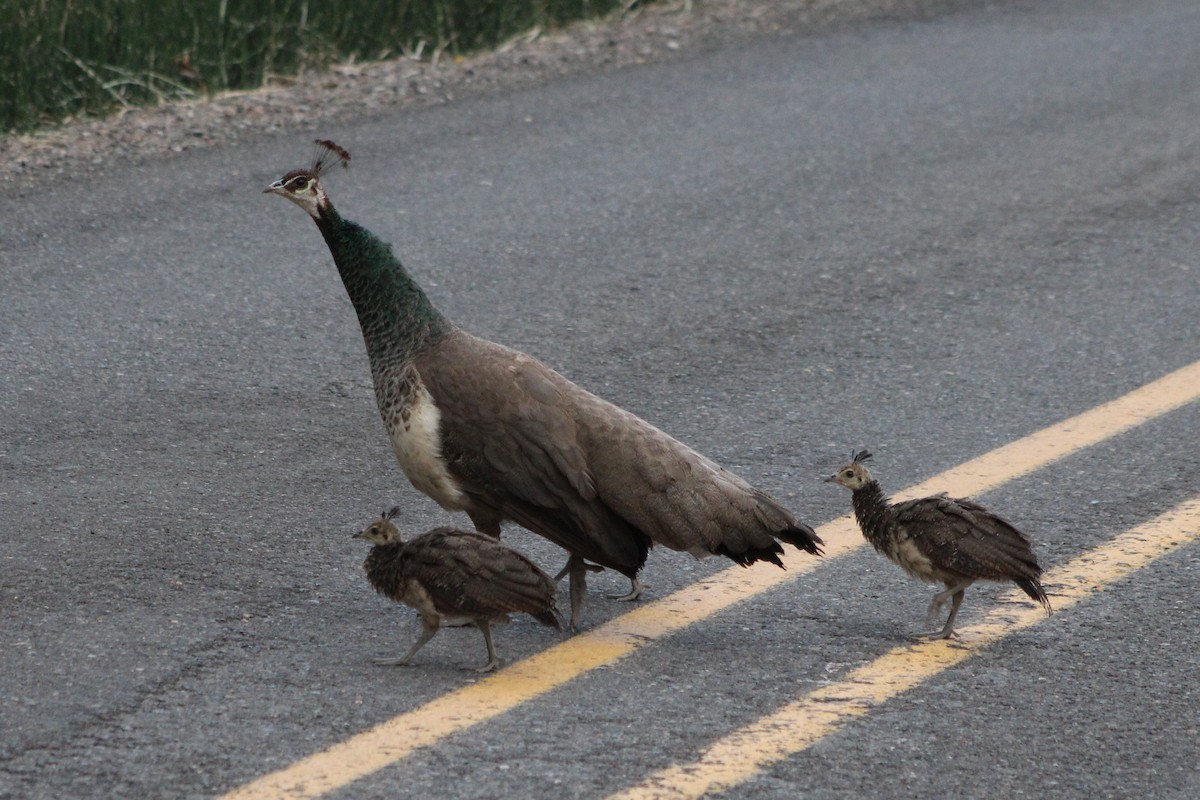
x=396 y=317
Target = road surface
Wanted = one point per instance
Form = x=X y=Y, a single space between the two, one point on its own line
x=929 y=237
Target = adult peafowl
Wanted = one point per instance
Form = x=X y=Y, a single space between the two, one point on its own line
x=496 y=433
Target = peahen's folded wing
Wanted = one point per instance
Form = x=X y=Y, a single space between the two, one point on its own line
x=580 y=470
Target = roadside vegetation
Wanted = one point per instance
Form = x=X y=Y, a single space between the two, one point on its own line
x=61 y=59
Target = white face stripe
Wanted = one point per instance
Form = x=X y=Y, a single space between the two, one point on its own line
x=310 y=198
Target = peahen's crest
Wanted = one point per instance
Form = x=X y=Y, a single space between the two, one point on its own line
x=326 y=156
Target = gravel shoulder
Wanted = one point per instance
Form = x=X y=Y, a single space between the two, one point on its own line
x=660 y=31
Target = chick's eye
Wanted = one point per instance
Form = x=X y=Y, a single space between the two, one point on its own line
x=848 y=474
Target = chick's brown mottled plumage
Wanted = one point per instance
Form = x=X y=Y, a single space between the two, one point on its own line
x=453 y=577
x=940 y=539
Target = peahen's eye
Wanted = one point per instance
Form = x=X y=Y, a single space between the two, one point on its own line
x=300 y=182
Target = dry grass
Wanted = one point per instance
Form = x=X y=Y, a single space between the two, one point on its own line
x=70 y=58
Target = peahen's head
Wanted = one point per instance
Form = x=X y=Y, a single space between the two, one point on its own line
x=303 y=186
x=382 y=530
x=854 y=475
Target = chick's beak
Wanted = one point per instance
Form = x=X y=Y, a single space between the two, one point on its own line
x=832 y=479
x=358 y=535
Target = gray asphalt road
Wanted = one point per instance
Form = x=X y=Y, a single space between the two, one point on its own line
x=927 y=237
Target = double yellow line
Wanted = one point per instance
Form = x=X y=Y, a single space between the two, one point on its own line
x=775 y=737
x=802 y=723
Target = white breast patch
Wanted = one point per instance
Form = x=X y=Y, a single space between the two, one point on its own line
x=416 y=439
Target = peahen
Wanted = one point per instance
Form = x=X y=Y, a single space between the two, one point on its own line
x=941 y=539
x=494 y=432
x=451 y=577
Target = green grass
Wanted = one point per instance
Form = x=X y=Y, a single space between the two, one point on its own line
x=66 y=58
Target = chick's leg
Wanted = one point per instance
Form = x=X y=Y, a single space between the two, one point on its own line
x=493 y=659
x=955 y=594
x=428 y=630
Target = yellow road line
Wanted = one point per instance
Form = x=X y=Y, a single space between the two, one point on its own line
x=800 y=724
x=1173 y=390
x=464 y=708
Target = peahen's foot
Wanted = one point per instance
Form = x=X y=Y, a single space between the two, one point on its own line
x=562 y=573
x=635 y=592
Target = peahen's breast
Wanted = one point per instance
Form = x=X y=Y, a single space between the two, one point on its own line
x=413 y=423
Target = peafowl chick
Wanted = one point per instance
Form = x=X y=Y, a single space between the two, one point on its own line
x=455 y=577
x=941 y=539
x=493 y=432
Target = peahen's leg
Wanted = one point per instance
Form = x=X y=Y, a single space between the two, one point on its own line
x=567 y=568
x=635 y=591
x=635 y=586
x=577 y=570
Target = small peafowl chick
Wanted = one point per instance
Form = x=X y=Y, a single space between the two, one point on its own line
x=941 y=539
x=498 y=434
x=455 y=577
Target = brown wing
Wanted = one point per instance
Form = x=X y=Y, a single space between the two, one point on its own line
x=471 y=574
x=513 y=445
x=962 y=536
x=581 y=471
x=679 y=498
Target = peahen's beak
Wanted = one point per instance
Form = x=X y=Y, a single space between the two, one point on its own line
x=274 y=188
